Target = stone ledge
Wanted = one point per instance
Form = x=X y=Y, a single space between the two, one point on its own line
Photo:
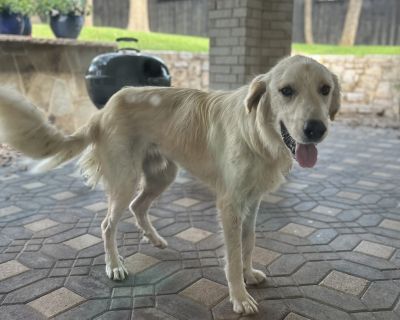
x=51 y=74
x=55 y=42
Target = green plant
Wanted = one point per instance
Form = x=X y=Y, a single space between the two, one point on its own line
x=147 y=40
x=25 y=7
x=56 y=7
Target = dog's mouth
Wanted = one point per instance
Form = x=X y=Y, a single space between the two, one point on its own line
x=287 y=139
x=305 y=154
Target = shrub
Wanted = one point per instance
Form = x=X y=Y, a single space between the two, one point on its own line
x=56 y=7
x=24 y=7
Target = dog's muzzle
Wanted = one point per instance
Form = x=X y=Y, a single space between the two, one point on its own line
x=306 y=154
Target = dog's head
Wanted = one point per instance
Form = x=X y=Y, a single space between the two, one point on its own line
x=296 y=98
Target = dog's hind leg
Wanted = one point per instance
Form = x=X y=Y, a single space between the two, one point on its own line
x=251 y=276
x=159 y=173
x=121 y=175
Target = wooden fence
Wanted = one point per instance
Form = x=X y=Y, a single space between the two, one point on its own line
x=111 y=13
x=379 y=20
x=179 y=16
x=169 y=16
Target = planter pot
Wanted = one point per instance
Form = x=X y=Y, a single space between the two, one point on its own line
x=27 y=31
x=11 y=23
x=66 y=26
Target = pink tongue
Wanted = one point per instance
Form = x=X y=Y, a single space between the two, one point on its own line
x=306 y=155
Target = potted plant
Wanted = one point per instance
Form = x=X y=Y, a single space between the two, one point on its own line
x=14 y=14
x=66 y=16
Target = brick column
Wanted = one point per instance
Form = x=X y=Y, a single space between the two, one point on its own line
x=247 y=37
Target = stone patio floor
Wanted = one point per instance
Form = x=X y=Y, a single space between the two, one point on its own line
x=329 y=241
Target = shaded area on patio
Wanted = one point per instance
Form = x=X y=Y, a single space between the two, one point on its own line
x=329 y=241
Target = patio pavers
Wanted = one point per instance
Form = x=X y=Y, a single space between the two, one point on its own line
x=328 y=240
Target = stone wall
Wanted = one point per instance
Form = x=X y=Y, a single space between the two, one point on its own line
x=370 y=84
x=51 y=74
x=188 y=70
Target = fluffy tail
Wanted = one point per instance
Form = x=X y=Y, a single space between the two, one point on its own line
x=24 y=127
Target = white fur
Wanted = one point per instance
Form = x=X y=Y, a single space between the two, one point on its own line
x=229 y=140
x=155 y=100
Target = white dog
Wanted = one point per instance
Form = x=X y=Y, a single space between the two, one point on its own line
x=241 y=143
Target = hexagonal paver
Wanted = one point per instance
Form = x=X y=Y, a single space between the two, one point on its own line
x=138 y=262
x=270 y=198
x=393 y=166
x=317 y=176
x=366 y=183
x=33 y=185
x=9 y=177
x=41 y=225
x=381 y=174
x=295 y=185
x=75 y=174
x=206 y=292
x=98 y=206
x=9 y=210
x=193 y=234
x=336 y=168
x=82 y=242
x=375 y=249
x=344 y=282
x=63 y=195
x=390 y=224
x=381 y=295
x=186 y=202
x=349 y=195
x=295 y=316
x=327 y=210
x=181 y=180
x=11 y=268
x=297 y=230
x=351 y=161
x=55 y=302
x=264 y=256
x=133 y=219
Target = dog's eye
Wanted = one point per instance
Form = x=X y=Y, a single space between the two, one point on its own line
x=287 y=91
x=325 y=89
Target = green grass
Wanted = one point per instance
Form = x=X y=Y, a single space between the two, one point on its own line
x=147 y=40
x=162 y=41
x=339 y=50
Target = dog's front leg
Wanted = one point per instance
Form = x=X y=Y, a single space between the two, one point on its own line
x=232 y=226
x=251 y=276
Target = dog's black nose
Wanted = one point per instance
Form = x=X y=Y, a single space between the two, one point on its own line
x=314 y=130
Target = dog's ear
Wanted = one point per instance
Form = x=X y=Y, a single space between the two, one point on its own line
x=336 y=97
x=257 y=89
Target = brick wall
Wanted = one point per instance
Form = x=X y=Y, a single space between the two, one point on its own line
x=247 y=37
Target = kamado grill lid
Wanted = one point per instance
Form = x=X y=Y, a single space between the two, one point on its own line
x=110 y=72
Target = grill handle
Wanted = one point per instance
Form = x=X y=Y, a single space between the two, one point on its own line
x=127 y=39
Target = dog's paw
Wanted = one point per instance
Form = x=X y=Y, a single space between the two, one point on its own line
x=116 y=271
x=160 y=242
x=156 y=240
x=244 y=304
x=254 y=277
